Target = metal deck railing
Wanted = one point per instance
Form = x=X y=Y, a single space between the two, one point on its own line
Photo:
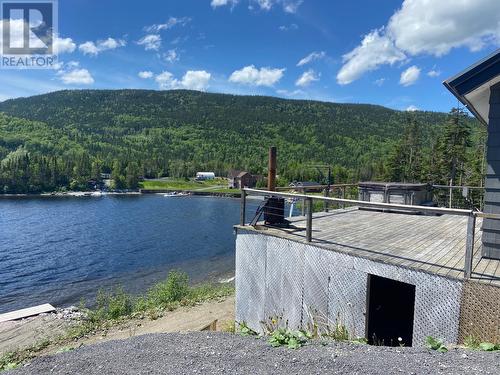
x=308 y=201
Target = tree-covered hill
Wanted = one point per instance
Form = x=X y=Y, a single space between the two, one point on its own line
x=74 y=135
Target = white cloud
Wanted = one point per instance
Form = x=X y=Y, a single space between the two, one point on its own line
x=166 y=80
x=410 y=76
x=150 y=42
x=427 y=27
x=306 y=78
x=435 y=27
x=171 y=22
x=379 y=82
x=291 y=6
x=290 y=93
x=375 y=50
x=171 y=56
x=220 y=3
x=265 y=4
x=311 y=57
x=145 y=74
x=73 y=64
x=434 y=73
x=292 y=26
x=192 y=80
x=196 y=80
x=91 y=48
x=63 y=45
x=250 y=75
x=412 y=108
x=76 y=77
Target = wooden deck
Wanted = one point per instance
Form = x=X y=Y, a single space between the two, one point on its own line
x=434 y=244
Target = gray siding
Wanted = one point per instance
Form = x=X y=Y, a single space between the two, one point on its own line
x=491 y=227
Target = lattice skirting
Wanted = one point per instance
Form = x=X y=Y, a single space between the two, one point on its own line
x=480 y=312
x=304 y=286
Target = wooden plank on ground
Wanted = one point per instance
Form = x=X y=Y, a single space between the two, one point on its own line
x=25 y=313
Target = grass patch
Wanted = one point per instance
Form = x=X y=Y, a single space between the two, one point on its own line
x=166 y=295
x=182 y=184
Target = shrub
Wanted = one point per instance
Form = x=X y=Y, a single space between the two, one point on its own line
x=110 y=305
x=119 y=304
x=174 y=289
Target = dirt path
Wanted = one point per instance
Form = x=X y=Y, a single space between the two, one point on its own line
x=184 y=319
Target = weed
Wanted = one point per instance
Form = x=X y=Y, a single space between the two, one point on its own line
x=245 y=330
x=339 y=331
x=290 y=339
x=229 y=326
x=489 y=347
x=435 y=344
x=11 y=360
x=472 y=342
x=360 y=340
x=273 y=323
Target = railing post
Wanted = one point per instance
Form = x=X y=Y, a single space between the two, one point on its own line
x=303 y=191
x=469 y=245
x=243 y=207
x=309 y=210
x=343 y=196
x=325 y=203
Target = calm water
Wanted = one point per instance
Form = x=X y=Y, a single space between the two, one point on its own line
x=58 y=250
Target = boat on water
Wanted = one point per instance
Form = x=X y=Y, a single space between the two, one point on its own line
x=176 y=194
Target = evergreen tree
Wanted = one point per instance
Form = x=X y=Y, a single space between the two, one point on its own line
x=405 y=161
x=452 y=149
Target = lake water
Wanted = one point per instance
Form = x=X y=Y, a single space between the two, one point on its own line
x=58 y=250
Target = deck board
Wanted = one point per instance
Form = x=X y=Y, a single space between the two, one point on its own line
x=433 y=244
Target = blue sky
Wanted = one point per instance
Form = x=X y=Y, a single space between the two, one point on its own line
x=394 y=53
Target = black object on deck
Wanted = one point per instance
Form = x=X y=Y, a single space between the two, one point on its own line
x=274 y=211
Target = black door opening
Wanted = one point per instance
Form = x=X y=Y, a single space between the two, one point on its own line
x=390 y=310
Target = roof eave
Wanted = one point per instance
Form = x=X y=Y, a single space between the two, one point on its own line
x=464 y=101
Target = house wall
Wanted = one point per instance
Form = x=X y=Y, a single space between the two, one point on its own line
x=491 y=227
x=303 y=285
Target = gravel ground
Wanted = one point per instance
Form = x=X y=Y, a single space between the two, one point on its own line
x=219 y=353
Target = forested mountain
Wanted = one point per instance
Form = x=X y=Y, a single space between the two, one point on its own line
x=65 y=138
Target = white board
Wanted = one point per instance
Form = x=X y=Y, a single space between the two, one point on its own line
x=24 y=313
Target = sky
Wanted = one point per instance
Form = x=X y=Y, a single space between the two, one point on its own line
x=394 y=53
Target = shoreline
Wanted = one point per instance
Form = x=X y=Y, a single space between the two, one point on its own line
x=98 y=194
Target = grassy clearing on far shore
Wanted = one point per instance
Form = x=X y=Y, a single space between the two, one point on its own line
x=115 y=306
x=184 y=184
